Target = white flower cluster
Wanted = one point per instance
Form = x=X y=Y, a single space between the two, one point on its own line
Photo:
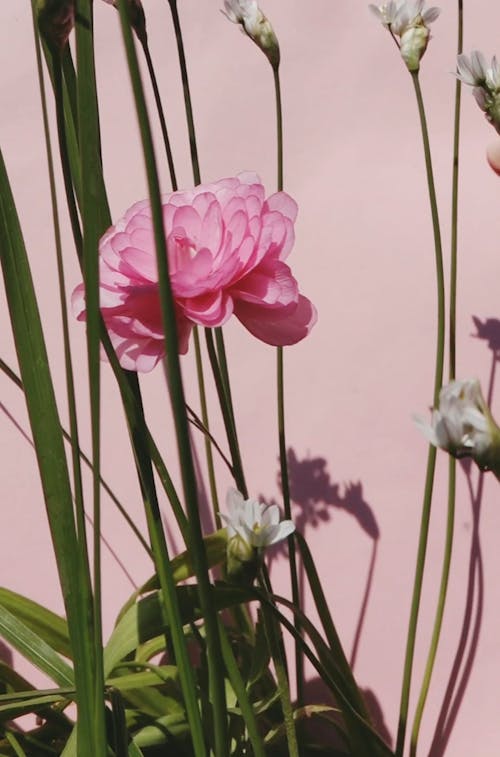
x=408 y=22
x=485 y=81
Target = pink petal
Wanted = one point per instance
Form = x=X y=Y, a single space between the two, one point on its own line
x=278 y=326
x=268 y=285
x=211 y=309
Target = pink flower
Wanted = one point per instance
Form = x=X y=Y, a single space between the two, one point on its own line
x=226 y=250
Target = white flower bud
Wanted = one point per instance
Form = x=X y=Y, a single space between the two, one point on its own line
x=256 y=25
x=408 y=20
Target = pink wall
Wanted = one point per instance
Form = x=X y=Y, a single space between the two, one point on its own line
x=363 y=254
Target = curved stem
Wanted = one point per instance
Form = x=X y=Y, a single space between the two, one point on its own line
x=431 y=458
x=285 y=482
x=450 y=521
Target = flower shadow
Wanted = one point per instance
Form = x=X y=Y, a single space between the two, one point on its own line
x=314 y=498
x=489 y=331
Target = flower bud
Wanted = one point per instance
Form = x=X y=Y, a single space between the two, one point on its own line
x=413 y=45
x=242 y=561
x=408 y=21
x=256 y=25
x=56 y=19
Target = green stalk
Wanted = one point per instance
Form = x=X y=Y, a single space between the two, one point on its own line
x=237 y=465
x=63 y=150
x=70 y=386
x=276 y=648
x=89 y=138
x=197 y=180
x=215 y=662
x=204 y=417
x=241 y=692
x=285 y=481
x=450 y=520
x=185 y=88
x=161 y=115
x=431 y=458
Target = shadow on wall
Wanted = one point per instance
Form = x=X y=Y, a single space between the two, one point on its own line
x=314 y=498
x=488 y=331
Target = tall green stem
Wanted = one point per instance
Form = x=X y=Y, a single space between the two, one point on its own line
x=161 y=114
x=239 y=476
x=215 y=662
x=204 y=417
x=285 y=483
x=187 y=94
x=431 y=458
x=277 y=651
x=450 y=520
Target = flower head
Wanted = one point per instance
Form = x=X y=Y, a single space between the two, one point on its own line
x=485 y=82
x=226 y=250
x=408 y=21
x=463 y=425
x=251 y=527
x=255 y=24
x=256 y=524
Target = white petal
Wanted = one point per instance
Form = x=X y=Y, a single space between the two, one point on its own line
x=285 y=528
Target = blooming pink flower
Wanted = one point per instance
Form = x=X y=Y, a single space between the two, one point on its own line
x=226 y=249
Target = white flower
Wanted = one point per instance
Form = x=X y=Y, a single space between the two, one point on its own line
x=258 y=525
x=408 y=20
x=485 y=82
x=463 y=425
x=473 y=71
x=255 y=24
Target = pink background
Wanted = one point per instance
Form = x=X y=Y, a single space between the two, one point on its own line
x=364 y=255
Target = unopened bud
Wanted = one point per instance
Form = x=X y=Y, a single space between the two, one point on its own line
x=56 y=19
x=256 y=25
x=242 y=560
x=413 y=45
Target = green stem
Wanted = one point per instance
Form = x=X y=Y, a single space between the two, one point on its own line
x=239 y=476
x=204 y=417
x=215 y=662
x=450 y=521
x=63 y=149
x=70 y=387
x=431 y=458
x=89 y=140
x=161 y=115
x=285 y=480
x=187 y=93
x=275 y=642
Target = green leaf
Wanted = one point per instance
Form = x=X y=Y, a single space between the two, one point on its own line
x=144 y=621
x=46 y=429
x=50 y=627
x=182 y=566
x=34 y=648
